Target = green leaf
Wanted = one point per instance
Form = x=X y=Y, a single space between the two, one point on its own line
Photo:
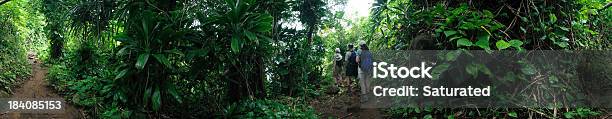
x=142 y=60
x=438 y=30
x=250 y=35
x=449 y=33
x=528 y=69
x=483 y=68
x=562 y=44
x=501 y=44
x=553 y=18
x=145 y=28
x=484 y=44
x=487 y=13
x=428 y=116
x=472 y=70
x=156 y=97
x=452 y=56
x=122 y=73
x=162 y=59
x=569 y=115
x=196 y=53
x=147 y=95
x=264 y=24
x=484 y=37
x=464 y=42
x=172 y=90
x=512 y=114
x=438 y=70
x=516 y=43
x=236 y=44
x=454 y=38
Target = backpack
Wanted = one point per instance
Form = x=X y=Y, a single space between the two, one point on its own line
x=338 y=58
x=351 y=67
x=352 y=59
x=366 y=61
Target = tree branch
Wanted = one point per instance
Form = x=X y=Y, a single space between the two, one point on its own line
x=4 y=1
x=605 y=7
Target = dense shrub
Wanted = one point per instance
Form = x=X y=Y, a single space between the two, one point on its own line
x=267 y=109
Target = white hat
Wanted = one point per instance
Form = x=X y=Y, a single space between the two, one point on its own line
x=337 y=49
x=361 y=42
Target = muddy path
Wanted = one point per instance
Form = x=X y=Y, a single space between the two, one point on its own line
x=344 y=106
x=38 y=87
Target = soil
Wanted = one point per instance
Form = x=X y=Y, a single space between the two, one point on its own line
x=38 y=87
x=343 y=106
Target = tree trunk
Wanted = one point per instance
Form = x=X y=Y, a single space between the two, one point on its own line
x=251 y=84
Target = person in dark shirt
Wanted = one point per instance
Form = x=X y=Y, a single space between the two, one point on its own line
x=351 y=67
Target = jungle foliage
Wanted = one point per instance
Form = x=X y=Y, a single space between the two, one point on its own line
x=184 y=59
x=496 y=25
x=21 y=26
x=269 y=58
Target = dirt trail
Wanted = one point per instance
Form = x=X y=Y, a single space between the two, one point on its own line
x=37 y=87
x=343 y=106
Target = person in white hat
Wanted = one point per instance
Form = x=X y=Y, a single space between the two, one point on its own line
x=338 y=61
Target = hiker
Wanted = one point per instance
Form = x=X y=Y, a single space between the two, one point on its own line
x=351 y=67
x=338 y=61
x=364 y=59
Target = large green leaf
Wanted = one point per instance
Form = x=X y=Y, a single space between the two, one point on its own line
x=472 y=70
x=512 y=114
x=464 y=42
x=236 y=43
x=516 y=43
x=484 y=44
x=501 y=44
x=553 y=18
x=452 y=56
x=142 y=60
x=156 y=98
x=122 y=73
x=438 y=70
x=449 y=33
x=250 y=35
x=162 y=59
x=264 y=24
x=147 y=95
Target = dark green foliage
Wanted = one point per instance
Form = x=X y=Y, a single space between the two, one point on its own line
x=54 y=14
x=267 y=109
x=165 y=62
x=494 y=25
x=536 y=25
x=241 y=58
x=18 y=36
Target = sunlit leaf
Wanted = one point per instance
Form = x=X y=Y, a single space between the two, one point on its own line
x=512 y=114
x=142 y=60
x=501 y=44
